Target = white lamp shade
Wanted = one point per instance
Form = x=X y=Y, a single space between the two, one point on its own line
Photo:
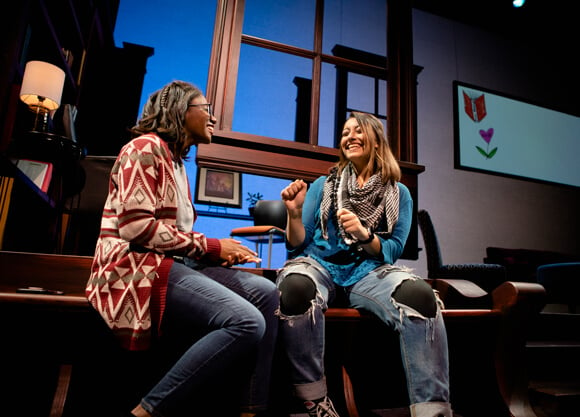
x=42 y=85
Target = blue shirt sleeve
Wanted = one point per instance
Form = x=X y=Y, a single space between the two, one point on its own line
x=310 y=214
x=392 y=247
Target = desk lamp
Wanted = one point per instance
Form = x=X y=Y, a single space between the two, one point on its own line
x=41 y=90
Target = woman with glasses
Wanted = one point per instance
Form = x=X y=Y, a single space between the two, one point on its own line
x=344 y=236
x=154 y=279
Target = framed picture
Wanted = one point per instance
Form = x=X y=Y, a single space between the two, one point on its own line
x=499 y=134
x=40 y=173
x=216 y=187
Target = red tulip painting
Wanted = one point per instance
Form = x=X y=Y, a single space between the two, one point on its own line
x=475 y=108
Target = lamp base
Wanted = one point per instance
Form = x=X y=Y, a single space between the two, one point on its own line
x=41 y=119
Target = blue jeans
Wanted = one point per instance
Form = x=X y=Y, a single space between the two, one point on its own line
x=227 y=315
x=423 y=340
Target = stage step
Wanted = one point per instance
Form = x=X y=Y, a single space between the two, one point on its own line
x=555 y=398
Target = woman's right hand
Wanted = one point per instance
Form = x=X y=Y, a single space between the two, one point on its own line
x=233 y=253
x=293 y=195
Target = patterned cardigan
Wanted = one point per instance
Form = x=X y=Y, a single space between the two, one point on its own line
x=138 y=238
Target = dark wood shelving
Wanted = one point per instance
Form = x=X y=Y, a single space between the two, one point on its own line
x=76 y=36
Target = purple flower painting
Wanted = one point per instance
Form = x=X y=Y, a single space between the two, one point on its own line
x=486 y=135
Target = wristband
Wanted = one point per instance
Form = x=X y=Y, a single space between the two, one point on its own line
x=369 y=239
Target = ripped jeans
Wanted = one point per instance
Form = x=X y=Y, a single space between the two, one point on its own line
x=423 y=340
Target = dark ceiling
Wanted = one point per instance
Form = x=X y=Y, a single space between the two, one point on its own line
x=543 y=21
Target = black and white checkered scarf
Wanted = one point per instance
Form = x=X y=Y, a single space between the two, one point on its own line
x=369 y=202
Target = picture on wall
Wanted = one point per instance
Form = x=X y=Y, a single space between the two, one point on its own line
x=216 y=187
x=502 y=135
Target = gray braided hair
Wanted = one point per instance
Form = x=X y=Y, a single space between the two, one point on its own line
x=163 y=99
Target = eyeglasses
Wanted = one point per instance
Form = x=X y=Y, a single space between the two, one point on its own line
x=208 y=107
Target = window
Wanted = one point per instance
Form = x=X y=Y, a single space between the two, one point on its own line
x=302 y=66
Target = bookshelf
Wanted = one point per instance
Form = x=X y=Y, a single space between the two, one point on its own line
x=100 y=80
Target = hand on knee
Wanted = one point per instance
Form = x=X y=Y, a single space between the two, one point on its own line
x=296 y=294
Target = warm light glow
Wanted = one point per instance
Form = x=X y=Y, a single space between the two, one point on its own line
x=42 y=85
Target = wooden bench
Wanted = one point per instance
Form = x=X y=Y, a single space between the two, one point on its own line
x=486 y=332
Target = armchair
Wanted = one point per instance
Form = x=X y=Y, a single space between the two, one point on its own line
x=561 y=283
x=486 y=276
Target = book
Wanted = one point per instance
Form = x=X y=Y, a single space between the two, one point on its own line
x=40 y=173
x=475 y=107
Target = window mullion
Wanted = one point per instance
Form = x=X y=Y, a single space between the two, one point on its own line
x=276 y=46
x=316 y=73
x=224 y=63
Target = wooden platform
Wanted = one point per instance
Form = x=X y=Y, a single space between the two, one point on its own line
x=58 y=338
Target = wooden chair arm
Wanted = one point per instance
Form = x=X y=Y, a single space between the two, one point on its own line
x=528 y=294
x=463 y=287
x=460 y=293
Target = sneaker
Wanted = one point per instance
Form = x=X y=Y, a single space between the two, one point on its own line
x=321 y=408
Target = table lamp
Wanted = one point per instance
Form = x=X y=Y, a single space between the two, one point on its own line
x=41 y=90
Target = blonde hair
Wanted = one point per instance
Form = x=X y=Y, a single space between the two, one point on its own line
x=381 y=157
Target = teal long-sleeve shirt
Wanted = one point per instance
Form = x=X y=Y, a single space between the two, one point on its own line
x=348 y=264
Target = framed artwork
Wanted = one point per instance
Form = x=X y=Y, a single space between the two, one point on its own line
x=40 y=173
x=499 y=134
x=216 y=187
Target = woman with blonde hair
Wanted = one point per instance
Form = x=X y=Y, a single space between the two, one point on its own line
x=344 y=235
